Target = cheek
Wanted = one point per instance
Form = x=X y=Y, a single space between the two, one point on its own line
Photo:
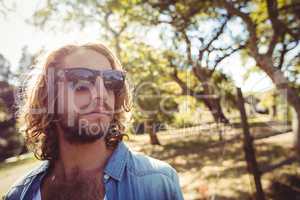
x=62 y=103
x=112 y=99
x=71 y=102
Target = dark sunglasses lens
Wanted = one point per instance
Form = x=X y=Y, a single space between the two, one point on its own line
x=80 y=74
x=114 y=80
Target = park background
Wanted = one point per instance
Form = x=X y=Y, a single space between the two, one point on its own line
x=186 y=61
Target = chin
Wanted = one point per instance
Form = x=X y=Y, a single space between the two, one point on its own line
x=87 y=130
x=83 y=135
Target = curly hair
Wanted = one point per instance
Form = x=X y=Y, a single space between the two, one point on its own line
x=39 y=124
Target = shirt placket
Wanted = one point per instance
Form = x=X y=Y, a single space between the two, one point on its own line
x=106 y=180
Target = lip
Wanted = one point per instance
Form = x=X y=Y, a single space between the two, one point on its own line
x=96 y=114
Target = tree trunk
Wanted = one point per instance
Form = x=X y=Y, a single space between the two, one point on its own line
x=249 y=149
x=149 y=127
x=285 y=89
x=215 y=108
x=296 y=131
x=274 y=112
x=274 y=106
x=209 y=96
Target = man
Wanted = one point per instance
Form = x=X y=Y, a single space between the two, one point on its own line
x=74 y=114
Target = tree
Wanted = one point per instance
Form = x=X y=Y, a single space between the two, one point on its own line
x=119 y=21
x=153 y=92
x=267 y=31
x=5 y=70
x=202 y=56
x=10 y=141
x=274 y=26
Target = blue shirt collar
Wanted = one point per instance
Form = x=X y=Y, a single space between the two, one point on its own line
x=117 y=162
x=114 y=167
x=42 y=168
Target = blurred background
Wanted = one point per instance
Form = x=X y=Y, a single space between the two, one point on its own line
x=215 y=85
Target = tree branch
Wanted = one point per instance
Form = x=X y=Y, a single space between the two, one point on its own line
x=185 y=89
x=217 y=35
x=272 y=44
x=290 y=6
x=188 y=48
x=272 y=167
x=278 y=26
x=116 y=33
x=282 y=54
x=251 y=26
x=183 y=86
x=220 y=59
x=219 y=32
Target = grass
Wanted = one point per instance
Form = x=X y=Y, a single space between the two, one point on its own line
x=205 y=170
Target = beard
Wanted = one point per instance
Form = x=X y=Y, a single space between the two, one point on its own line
x=84 y=131
x=80 y=186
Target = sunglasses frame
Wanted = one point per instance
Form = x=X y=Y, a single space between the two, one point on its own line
x=62 y=74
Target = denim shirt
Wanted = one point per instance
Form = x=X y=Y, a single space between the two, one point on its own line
x=127 y=175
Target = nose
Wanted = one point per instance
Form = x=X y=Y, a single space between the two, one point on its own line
x=101 y=91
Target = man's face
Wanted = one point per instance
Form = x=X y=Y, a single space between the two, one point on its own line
x=85 y=113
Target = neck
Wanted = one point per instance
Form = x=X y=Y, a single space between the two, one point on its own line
x=82 y=157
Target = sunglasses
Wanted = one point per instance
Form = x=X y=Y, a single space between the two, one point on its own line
x=112 y=79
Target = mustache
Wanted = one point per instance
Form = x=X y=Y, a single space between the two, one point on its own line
x=94 y=107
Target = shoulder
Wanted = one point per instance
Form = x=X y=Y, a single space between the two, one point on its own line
x=23 y=182
x=152 y=174
x=143 y=165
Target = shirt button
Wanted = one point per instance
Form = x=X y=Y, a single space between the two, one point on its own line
x=106 y=176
